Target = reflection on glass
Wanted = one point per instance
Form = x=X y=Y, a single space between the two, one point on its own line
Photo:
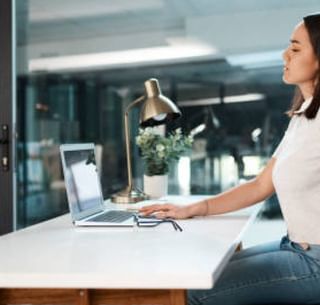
x=82 y=178
x=184 y=175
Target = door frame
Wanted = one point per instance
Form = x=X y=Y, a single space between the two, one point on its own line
x=7 y=113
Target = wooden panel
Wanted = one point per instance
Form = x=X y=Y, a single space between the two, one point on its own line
x=91 y=297
x=84 y=297
x=44 y=296
x=130 y=297
x=178 y=297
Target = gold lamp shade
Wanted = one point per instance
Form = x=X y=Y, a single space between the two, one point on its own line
x=157 y=109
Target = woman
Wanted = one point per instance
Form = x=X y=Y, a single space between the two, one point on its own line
x=288 y=271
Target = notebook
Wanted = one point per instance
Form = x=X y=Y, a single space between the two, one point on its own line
x=83 y=188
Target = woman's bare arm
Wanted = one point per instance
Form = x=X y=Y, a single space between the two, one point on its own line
x=234 y=199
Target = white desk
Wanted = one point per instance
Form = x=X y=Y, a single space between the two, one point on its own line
x=56 y=255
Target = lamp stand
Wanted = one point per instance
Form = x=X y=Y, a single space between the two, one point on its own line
x=130 y=194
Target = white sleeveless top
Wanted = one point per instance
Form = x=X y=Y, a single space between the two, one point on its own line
x=296 y=177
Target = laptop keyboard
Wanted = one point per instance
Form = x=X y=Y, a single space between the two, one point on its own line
x=112 y=216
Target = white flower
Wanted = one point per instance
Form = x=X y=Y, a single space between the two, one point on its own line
x=177 y=134
x=160 y=147
x=190 y=139
x=148 y=130
x=138 y=140
x=161 y=154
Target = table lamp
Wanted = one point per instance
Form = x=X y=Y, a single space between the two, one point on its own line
x=156 y=110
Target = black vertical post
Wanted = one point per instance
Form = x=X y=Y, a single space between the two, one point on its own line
x=22 y=174
x=6 y=114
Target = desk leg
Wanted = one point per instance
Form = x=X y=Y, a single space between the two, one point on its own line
x=92 y=296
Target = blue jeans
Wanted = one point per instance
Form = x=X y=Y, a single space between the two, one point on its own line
x=274 y=273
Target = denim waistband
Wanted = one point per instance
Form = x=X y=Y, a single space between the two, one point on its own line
x=313 y=251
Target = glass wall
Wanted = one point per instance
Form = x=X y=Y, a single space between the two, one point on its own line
x=56 y=109
x=81 y=62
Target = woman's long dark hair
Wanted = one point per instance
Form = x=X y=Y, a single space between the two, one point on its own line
x=312 y=23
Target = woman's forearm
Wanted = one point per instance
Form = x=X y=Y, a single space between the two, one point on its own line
x=234 y=199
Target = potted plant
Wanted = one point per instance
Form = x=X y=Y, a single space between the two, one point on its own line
x=158 y=152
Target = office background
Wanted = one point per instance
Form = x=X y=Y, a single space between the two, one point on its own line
x=78 y=63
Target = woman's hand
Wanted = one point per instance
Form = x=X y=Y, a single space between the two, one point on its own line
x=166 y=211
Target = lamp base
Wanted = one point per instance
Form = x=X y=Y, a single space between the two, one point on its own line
x=129 y=195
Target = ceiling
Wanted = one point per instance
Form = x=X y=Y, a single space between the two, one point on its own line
x=59 y=27
x=255 y=30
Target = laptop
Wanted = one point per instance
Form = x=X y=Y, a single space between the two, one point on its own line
x=83 y=188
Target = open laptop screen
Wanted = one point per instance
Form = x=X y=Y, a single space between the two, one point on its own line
x=82 y=182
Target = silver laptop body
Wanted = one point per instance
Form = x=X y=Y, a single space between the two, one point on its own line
x=83 y=188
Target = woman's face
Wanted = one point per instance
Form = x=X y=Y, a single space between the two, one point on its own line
x=300 y=62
